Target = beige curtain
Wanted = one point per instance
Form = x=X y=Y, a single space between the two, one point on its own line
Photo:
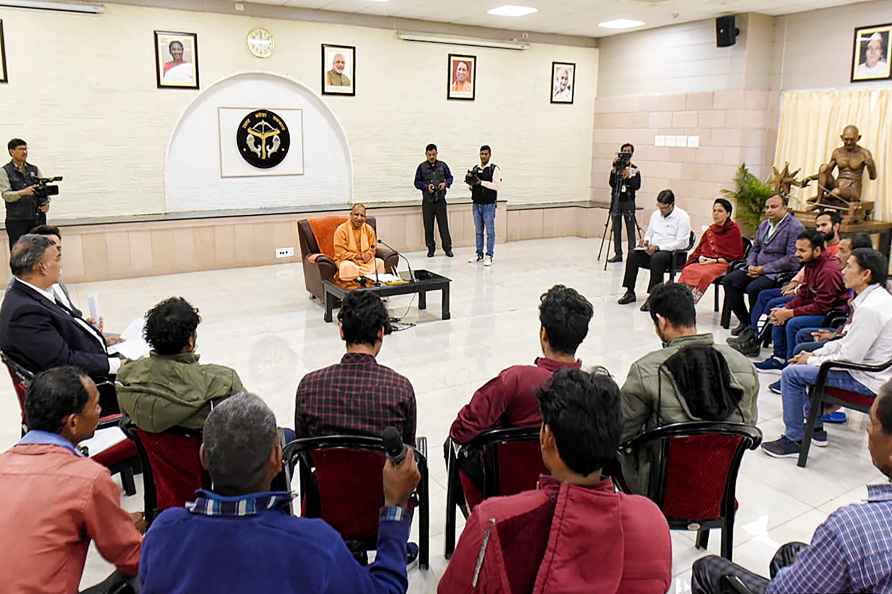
x=810 y=126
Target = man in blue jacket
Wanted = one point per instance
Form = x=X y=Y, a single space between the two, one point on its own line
x=241 y=538
x=773 y=253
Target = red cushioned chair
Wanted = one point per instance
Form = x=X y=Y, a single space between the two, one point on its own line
x=340 y=482
x=120 y=458
x=822 y=395
x=512 y=463
x=694 y=481
x=171 y=463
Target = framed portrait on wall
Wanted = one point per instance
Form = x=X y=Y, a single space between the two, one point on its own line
x=461 y=77
x=338 y=70
x=176 y=60
x=563 y=81
x=3 y=77
x=870 y=55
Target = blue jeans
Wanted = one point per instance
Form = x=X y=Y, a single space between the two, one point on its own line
x=806 y=342
x=795 y=381
x=784 y=337
x=766 y=299
x=485 y=216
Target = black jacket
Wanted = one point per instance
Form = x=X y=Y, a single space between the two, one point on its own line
x=628 y=187
x=40 y=334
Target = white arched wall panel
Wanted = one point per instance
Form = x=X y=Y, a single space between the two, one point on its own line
x=192 y=178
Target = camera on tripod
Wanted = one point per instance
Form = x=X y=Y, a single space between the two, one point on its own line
x=43 y=190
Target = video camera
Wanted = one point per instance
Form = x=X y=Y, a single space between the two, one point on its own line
x=622 y=160
x=471 y=177
x=43 y=190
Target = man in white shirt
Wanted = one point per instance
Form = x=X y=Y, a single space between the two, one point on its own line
x=874 y=64
x=669 y=229
x=867 y=339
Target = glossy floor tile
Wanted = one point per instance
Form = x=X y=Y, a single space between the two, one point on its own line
x=262 y=322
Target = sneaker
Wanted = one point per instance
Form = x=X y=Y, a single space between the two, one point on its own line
x=430 y=252
x=836 y=418
x=739 y=328
x=487 y=261
x=449 y=254
x=771 y=365
x=475 y=259
x=775 y=388
x=819 y=438
x=781 y=448
x=411 y=555
x=628 y=297
x=615 y=259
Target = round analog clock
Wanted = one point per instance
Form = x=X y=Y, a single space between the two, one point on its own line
x=260 y=42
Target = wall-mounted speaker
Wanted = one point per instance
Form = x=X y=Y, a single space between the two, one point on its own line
x=725 y=31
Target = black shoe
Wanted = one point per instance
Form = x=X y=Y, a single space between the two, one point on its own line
x=430 y=252
x=745 y=336
x=739 y=328
x=629 y=297
x=615 y=259
x=750 y=348
x=412 y=551
x=646 y=305
x=449 y=254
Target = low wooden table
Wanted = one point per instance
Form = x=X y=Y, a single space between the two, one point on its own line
x=432 y=282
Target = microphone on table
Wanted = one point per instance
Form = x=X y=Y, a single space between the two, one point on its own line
x=393 y=445
x=399 y=254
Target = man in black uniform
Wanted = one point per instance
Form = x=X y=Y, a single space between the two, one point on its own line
x=433 y=178
x=624 y=182
x=18 y=178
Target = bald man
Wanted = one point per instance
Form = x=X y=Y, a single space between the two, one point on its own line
x=336 y=77
x=851 y=159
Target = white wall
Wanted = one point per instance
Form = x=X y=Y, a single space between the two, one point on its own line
x=82 y=92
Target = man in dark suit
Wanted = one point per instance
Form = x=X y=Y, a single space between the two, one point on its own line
x=38 y=331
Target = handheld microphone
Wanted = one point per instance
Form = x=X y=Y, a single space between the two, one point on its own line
x=399 y=254
x=393 y=445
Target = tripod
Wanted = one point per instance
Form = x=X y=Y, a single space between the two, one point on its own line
x=607 y=235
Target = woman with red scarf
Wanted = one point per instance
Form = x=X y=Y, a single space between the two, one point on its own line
x=720 y=245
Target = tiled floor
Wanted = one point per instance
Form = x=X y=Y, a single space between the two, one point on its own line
x=261 y=322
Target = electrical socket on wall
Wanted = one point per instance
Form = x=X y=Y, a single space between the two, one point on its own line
x=285 y=252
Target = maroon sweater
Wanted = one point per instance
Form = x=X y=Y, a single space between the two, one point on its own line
x=507 y=400
x=822 y=290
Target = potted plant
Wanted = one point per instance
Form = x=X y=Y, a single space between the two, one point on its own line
x=749 y=198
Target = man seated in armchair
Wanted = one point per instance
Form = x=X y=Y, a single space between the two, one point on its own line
x=355 y=244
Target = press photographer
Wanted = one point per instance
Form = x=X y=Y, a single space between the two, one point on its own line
x=625 y=180
x=484 y=180
x=25 y=193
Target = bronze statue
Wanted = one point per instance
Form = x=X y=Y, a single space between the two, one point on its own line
x=843 y=193
x=782 y=180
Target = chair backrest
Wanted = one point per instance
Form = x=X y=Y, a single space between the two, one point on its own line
x=319 y=233
x=694 y=478
x=512 y=462
x=21 y=379
x=747 y=246
x=172 y=470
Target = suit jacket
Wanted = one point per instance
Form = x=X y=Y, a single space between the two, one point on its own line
x=778 y=252
x=40 y=334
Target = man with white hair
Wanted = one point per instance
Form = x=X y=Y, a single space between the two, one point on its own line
x=240 y=537
x=336 y=77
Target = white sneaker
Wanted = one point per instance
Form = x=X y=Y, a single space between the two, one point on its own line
x=475 y=259
x=487 y=261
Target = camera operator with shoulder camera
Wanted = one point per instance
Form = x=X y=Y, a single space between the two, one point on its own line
x=625 y=180
x=484 y=180
x=24 y=192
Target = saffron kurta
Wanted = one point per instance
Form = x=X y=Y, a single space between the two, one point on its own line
x=349 y=247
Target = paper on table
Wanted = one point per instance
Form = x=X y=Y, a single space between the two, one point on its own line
x=133 y=345
x=103 y=439
x=387 y=278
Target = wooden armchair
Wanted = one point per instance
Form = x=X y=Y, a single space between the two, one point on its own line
x=317 y=251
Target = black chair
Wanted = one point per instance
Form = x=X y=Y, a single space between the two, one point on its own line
x=680 y=258
x=340 y=482
x=821 y=394
x=512 y=463
x=717 y=283
x=693 y=478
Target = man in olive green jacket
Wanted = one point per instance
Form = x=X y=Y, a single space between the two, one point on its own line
x=170 y=388
x=650 y=397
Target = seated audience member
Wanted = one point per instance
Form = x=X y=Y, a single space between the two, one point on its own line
x=773 y=253
x=354 y=247
x=241 y=538
x=37 y=330
x=170 y=388
x=690 y=379
x=850 y=552
x=721 y=244
x=56 y=500
x=827 y=224
x=866 y=339
x=821 y=292
x=669 y=229
x=357 y=395
x=574 y=533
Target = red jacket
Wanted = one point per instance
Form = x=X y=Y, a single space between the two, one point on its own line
x=822 y=290
x=562 y=539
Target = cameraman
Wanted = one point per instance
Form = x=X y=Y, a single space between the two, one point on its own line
x=625 y=180
x=433 y=178
x=18 y=181
x=484 y=180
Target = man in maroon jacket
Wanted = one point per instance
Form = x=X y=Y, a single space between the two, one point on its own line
x=574 y=533
x=821 y=292
x=509 y=399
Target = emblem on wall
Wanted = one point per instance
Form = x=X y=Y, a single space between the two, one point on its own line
x=263 y=139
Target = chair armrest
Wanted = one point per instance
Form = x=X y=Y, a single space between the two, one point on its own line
x=110 y=421
x=327 y=267
x=737 y=265
x=827 y=366
x=384 y=252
